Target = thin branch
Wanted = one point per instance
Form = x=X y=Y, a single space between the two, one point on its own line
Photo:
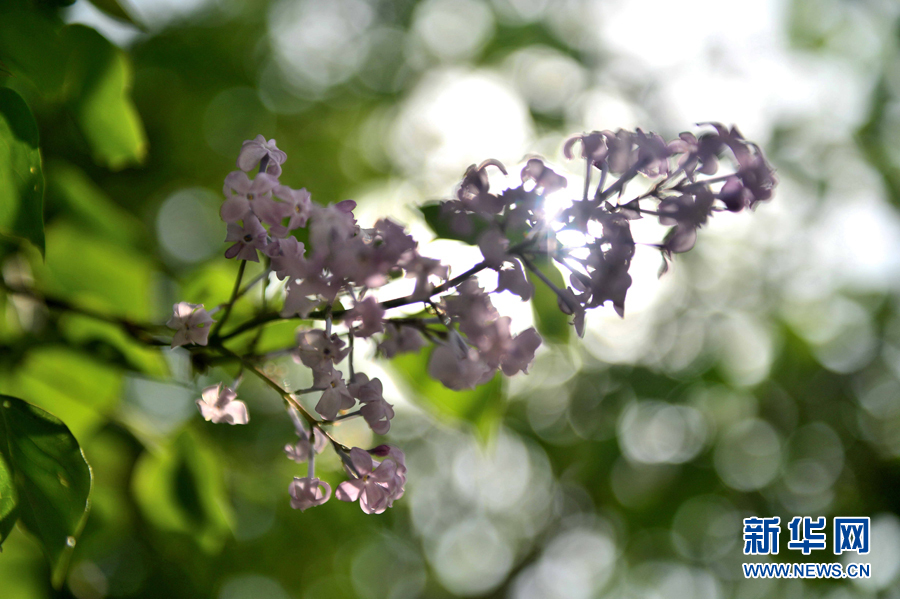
x=252 y=284
x=587 y=178
x=310 y=419
x=139 y=331
x=562 y=295
x=237 y=286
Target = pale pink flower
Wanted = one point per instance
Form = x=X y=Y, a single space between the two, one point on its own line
x=296 y=206
x=303 y=449
x=191 y=323
x=289 y=259
x=308 y=492
x=371 y=485
x=336 y=396
x=244 y=195
x=316 y=348
x=376 y=411
x=396 y=485
x=219 y=404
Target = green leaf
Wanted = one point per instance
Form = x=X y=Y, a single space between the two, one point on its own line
x=180 y=489
x=70 y=190
x=107 y=342
x=550 y=321
x=482 y=407
x=439 y=223
x=96 y=273
x=51 y=478
x=115 y=9
x=30 y=49
x=9 y=501
x=98 y=84
x=80 y=390
x=21 y=176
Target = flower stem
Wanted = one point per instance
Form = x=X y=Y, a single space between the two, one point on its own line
x=234 y=294
x=284 y=394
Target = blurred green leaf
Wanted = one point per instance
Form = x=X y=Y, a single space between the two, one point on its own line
x=115 y=9
x=71 y=190
x=80 y=390
x=9 y=501
x=52 y=478
x=97 y=273
x=482 y=407
x=180 y=489
x=275 y=336
x=440 y=224
x=98 y=84
x=871 y=139
x=108 y=342
x=550 y=321
x=30 y=48
x=21 y=176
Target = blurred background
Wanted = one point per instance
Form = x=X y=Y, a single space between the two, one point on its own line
x=758 y=377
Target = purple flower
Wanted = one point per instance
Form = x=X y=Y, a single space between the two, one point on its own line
x=703 y=152
x=191 y=323
x=401 y=339
x=376 y=411
x=218 y=404
x=316 y=349
x=679 y=239
x=473 y=191
x=331 y=226
x=297 y=301
x=396 y=485
x=289 y=260
x=255 y=150
x=498 y=348
x=653 y=154
x=545 y=178
x=308 y=492
x=422 y=269
x=471 y=308
x=493 y=244
x=520 y=352
x=243 y=196
x=593 y=147
x=457 y=372
x=303 y=450
x=371 y=485
x=249 y=238
x=296 y=206
x=370 y=314
x=514 y=280
x=336 y=396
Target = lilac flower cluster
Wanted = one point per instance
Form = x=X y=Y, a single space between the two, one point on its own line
x=327 y=261
x=598 y=268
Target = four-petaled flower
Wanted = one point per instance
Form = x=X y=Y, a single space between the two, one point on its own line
x=191 y=323
x=219 y=404
x=373 y=486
